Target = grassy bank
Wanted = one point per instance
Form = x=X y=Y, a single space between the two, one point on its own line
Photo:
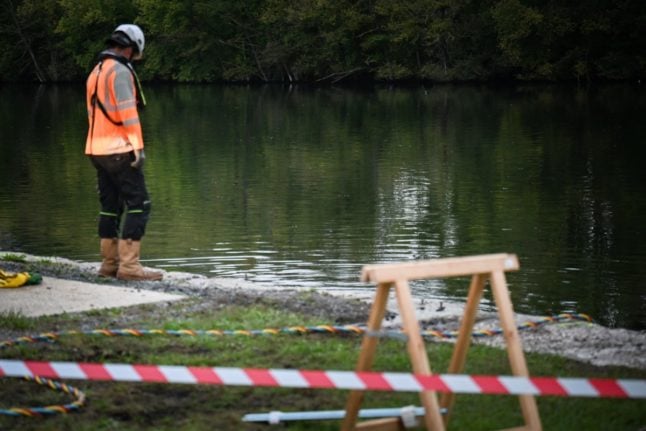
x=133 y=406
x=136 y=406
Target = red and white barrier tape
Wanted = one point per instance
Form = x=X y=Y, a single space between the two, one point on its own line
x=366 y=381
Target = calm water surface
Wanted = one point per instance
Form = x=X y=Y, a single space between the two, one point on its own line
x=301 y=187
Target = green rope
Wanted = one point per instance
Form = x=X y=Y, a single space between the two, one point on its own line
x=530 y=324
x=290 y=330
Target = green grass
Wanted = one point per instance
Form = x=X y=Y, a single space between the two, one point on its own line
x=14 y=320
x=136 y=406
x=12 y=257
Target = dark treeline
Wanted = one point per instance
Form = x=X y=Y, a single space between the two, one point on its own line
x=332 y=40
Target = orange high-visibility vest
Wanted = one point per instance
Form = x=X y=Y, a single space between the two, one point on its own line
x=114 y=127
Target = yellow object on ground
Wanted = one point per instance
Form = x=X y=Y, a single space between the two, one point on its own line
x=18 y=279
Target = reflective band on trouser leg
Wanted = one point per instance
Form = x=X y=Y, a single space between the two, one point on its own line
x=108 y=225
x=134 y=226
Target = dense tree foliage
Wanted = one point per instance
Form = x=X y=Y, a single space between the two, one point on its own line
x=332 y=40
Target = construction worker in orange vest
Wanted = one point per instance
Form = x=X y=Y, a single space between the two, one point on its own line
x=116 y=148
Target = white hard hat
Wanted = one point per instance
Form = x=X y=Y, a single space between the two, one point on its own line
x=129 y=35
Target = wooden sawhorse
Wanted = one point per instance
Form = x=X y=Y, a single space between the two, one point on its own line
x=481 y=268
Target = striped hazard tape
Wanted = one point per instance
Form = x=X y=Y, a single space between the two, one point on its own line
x=368 y=381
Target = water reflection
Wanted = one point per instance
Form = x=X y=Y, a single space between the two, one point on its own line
x=301 y=187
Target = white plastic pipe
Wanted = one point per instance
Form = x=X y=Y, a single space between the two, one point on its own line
x=276 y=417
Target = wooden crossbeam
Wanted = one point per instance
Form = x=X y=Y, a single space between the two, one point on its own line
x=440 y=268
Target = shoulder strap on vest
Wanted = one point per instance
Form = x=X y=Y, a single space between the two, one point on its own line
x=139 y=94
x=96 y=102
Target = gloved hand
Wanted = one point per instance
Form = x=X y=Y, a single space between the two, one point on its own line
x=140 y=157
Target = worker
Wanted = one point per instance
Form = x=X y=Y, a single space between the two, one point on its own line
x=115 y=146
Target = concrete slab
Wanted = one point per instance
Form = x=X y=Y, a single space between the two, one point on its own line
x=56 y=296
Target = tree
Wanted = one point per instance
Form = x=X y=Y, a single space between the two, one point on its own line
x=84 y=27
x=315 y=39
x=331 y=40
x=19 y=29
x=517 y=30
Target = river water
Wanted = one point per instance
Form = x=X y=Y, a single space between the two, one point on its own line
x=300 y=187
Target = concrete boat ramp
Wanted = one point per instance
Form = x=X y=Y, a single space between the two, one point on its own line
x=56 y=296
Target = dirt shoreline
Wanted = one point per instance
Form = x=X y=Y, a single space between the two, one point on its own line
x=582 y=341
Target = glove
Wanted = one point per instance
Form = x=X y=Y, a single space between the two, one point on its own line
x=140 y=157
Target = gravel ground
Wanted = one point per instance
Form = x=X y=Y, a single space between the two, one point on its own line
x=581 y=341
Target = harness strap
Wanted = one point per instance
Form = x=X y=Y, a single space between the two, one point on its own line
x=95 y=101
x=139 y=94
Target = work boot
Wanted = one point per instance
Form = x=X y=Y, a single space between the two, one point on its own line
x=110 y=256
x=129 y=266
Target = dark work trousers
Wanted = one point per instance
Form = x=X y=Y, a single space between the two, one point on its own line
x=122 y=190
